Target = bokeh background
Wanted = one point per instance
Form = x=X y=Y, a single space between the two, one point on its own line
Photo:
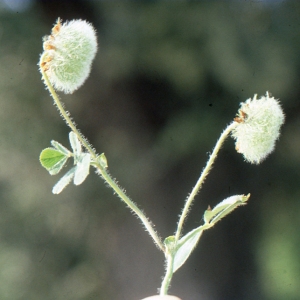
x=168 y=77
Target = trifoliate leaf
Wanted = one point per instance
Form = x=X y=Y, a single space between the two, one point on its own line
x=82 y=168
x=185 y=246
x=64 y=181
x=52 y=160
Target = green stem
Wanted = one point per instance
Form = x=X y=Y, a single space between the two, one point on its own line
x=132 y=206
x=202 y=177
x=66 y=117
x=102 y=171
x=168 y=276
x=170 y=256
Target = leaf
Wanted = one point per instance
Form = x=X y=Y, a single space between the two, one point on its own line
x=76 y=146
x=56 y=169
x=82 y=168
x=64 y=181
x=60 y=148
x=187 y=243
x=227 y=206
x=52 y=160
x=185 y=246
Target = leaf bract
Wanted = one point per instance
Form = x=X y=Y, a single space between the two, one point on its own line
x=227 y=206
x=102 y=160
x=185 y=246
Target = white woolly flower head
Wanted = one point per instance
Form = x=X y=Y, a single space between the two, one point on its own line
x=258 y=127
x=68 y=54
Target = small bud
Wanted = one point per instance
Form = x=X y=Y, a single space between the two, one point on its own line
x=68 y=54
x=258 y=126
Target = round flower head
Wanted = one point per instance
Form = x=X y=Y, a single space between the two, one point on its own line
x=68 y=54
x=257 y=128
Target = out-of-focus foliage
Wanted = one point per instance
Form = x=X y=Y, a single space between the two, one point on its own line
x=168 y=78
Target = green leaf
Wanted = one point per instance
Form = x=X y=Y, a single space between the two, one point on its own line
x=56 y=169
x=187 y=243
x=52 y=160
x=82 y=168
x=76 y=146
x=64 y=181
x=185 y=246
x=60 y=148
x=227 y=206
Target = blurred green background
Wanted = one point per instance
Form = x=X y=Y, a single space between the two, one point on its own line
x=168 y=77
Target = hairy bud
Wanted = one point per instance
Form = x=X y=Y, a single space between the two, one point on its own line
x=258 y=127
x=68 y=54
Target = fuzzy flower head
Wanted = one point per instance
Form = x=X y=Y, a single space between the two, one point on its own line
x=258 y=127
x=68 y=54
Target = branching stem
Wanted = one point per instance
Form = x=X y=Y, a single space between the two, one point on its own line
x=170 y=256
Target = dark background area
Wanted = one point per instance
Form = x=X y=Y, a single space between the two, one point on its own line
x=167 y=79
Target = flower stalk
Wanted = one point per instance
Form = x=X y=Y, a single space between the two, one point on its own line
x=201 y=179
x=101 y=170
x=171 y=254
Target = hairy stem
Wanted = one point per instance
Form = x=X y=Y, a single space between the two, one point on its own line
x=101 y=170
x=168 y=276
x=202 y=177
x=171 y=254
